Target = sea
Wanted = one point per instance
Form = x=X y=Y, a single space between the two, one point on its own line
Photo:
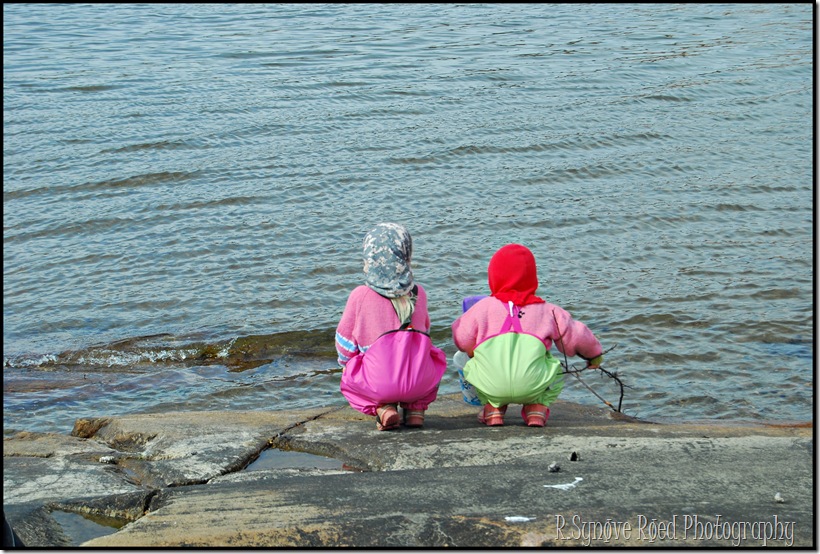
x=186 y=188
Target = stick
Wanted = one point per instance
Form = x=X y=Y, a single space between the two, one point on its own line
x=595 y=393
x=566 y=367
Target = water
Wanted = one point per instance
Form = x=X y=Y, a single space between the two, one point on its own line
x=186 y=189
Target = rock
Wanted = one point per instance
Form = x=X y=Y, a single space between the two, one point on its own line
x=458 y=481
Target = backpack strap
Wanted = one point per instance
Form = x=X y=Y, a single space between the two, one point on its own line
x=512 y=323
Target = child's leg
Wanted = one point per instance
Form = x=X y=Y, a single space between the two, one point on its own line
x=361 y=404
x=422 y=403
x=357 y=389
x=414 y=411
x=551 y=393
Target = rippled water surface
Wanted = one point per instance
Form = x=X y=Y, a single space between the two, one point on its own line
x=186 y=189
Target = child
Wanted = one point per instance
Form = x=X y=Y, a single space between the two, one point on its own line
x=508 y=336
x=383 y=368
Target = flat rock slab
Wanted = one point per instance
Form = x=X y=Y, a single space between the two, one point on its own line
x=614 y=481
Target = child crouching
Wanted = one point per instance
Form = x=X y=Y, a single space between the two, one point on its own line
x=382 y=338
x=508 y=336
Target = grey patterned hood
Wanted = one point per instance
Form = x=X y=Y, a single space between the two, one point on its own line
x=387 y=252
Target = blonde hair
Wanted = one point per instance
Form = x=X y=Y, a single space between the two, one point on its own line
x=404 y=306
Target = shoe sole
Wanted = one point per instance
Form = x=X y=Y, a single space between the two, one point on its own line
x=392 y=421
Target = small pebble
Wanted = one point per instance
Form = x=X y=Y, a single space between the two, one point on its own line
x=574 y=457
x=778 y=498
x=554 y=467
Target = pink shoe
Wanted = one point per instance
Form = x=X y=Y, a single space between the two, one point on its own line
x=413 y=418
x=387 y=417
x=535 y=415
x=491 y=415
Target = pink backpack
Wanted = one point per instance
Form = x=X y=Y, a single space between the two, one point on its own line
x=402 y=365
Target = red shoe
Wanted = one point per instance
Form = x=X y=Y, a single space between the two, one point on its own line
x=491 y=415
x=387 y=417
x=413 y=418
x=535 y=415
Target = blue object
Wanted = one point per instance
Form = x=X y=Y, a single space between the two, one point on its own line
x=468 y=302
x=460 y=359
x=468 y=392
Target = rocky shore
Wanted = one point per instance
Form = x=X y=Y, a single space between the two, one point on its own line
x=326 y=478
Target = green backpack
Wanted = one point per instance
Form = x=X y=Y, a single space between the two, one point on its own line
x=514 y=367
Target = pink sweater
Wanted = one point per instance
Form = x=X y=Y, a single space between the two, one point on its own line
x=368 y=315
x=487 y=316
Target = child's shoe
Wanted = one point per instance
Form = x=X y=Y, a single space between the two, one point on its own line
x=535 y=415
x=413 y=418
x=387 y=417
x=491 y=415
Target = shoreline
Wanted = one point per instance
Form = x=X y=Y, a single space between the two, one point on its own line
x=183 y=479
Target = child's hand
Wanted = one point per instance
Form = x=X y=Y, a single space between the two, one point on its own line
x=595 y=362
